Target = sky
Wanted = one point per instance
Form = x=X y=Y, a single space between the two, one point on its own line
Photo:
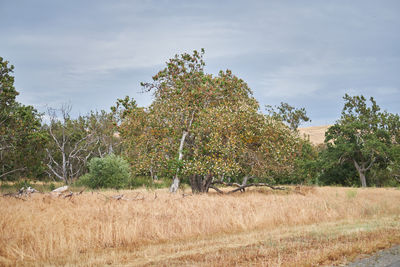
x=307 y=53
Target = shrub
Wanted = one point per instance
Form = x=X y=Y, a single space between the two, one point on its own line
x=109 y=172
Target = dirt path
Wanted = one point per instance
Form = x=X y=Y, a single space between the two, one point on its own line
x=385 y=258
x=313 y=245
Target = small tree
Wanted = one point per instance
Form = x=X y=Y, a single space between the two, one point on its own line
x=364 y=136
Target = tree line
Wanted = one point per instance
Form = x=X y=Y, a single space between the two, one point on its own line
x=202 y=130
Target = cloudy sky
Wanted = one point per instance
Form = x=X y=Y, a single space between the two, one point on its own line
x=307 y=53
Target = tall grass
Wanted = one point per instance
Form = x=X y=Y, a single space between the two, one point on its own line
x=47 y=227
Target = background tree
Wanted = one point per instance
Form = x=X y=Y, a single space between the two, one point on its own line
x=288 y=114
x=140 y=141
x=364 y=136
x=70 y=143
x=104 y=136
x=22 y=140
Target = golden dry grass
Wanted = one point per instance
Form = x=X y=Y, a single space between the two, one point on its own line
x=308 y=226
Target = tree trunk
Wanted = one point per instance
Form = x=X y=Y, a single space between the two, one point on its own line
x=200 y=184
x=361 y=172
x=175 y=183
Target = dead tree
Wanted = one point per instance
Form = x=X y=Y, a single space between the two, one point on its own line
x=70 y=151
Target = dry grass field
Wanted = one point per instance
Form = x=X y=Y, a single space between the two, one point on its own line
x=305 y=226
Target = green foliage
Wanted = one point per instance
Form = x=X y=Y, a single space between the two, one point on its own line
x=364 y=140
x=23 y=183
x=22 y=140
x=306 y=166
x=52 y=186
x=288 y=114
x=200 y=127
x=109 y=172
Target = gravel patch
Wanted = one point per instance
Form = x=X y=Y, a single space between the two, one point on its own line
x=384 y=258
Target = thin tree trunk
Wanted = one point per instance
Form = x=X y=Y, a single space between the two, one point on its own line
x=361 y=172
x=175 y=184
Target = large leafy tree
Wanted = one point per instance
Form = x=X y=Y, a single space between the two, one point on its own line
x=364 y=136
x=203 y=127
x=22 y=140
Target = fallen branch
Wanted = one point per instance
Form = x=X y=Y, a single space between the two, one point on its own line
x=119 y=197
x=226 y=184
x=60 y=190
x=65 y=193
x=69 y=195
x=256 y=185
x=216 y=189
x=242 y=188
x=23 y=192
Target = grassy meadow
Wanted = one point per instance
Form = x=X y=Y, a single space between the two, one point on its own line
x=304 y=226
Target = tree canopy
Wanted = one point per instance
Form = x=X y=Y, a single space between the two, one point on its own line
x=288 y=114
x=364 y=136
x=21 y=137
x=204 y=127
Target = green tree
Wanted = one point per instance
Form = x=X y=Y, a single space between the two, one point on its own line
x=288 y=114
x=22 y=140
x=202 y=128
x=364 y=136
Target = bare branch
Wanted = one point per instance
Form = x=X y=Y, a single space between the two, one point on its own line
x=4 y=174
x=216 y=189
x=257 y=185
x=242 y=187
x=373 y=159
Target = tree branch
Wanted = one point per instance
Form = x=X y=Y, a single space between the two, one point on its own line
x=242 y=187
x=4 y=174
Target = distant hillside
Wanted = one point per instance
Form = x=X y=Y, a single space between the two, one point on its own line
x=316 y=133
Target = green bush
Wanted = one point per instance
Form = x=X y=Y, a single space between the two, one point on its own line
x=109 y=172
